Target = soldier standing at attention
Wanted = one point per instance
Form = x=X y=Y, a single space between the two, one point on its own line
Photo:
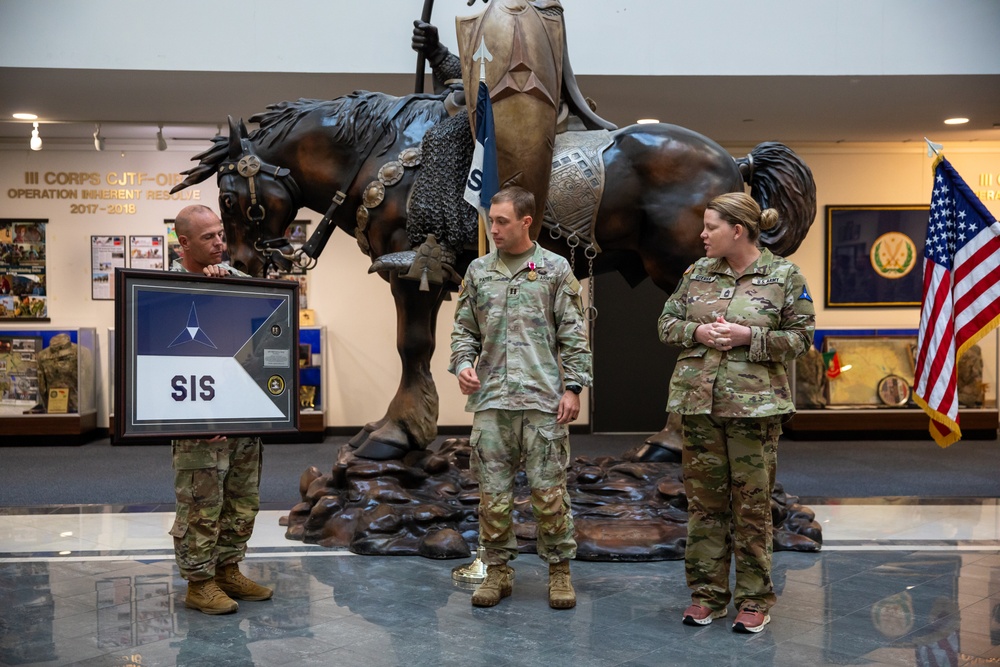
x=520 y=314
x=741 y=314
x=217 y=481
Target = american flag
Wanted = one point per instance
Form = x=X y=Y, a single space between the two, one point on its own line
x=961 y=301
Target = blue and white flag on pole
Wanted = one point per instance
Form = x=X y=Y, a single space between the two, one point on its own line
x=484 y=180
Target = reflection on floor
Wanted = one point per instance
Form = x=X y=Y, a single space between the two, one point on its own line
x=899 y=582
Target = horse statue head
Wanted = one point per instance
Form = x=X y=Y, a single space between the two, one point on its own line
x=257 y=200
x=306 y=153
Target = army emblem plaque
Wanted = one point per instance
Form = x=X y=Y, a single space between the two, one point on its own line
x=874 y=255
x=200 y=357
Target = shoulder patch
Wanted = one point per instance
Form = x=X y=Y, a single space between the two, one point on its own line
x=805 y=294
x=572 y=283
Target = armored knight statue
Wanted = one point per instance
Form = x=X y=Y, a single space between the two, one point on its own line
x=534 y=95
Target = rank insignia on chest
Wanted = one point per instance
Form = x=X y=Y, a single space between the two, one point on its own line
x=511 y=291
x=727 y=293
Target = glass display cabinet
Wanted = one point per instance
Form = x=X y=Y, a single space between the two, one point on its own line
x=48 y=383
x=861 y=380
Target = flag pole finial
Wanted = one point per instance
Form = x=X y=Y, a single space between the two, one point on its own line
x=482 y=54
x=933 y=149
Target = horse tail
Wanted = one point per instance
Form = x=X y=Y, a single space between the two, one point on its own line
x=779 y=179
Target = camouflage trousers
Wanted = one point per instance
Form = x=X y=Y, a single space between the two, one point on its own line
x=728 y=478
x=504 y=441
x=218 y=495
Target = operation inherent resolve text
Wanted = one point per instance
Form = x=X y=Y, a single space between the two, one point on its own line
x=93 y=178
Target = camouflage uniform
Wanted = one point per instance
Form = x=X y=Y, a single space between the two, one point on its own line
x=732 y=404
x=217 y=485
x=59 y=367
x=521 y=330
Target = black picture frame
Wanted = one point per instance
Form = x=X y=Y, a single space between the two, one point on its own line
x=198 y=357
x=874 y=255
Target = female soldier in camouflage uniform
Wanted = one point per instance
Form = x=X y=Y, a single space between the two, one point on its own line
x=741 y=314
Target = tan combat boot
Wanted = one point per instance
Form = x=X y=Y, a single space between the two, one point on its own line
x=231 y=580
x=561 y=593
x=497 y=585
x=208 y=598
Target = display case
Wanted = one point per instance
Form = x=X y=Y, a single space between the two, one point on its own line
x=48 y=384
x=312 y=342
x=861 y=380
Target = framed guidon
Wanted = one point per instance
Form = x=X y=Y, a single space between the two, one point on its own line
x=874 y=255
x=199 y=357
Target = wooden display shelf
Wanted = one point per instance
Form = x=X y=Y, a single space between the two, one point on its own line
x=312 y=422
x=49 y=426
x=978 y=423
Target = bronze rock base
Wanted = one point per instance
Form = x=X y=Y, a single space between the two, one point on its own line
x=425 y=505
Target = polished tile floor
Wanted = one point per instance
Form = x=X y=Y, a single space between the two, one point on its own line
x=899 y=582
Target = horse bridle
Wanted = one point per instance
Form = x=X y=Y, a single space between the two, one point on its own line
x=249 y=166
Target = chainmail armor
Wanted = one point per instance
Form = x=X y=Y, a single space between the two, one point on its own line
x=436 y=204
x=449 y=69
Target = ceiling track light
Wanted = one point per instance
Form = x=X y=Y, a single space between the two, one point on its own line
x=161 y=143
x=36 y=141
x=98 y=139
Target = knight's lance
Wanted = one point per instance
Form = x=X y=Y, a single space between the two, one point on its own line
x=425 y=16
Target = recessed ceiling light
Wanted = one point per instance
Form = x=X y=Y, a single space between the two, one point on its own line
x=956 y=121
x=25 y=116
x=647 y=121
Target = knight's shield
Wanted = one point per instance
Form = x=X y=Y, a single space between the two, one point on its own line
x=524 y=79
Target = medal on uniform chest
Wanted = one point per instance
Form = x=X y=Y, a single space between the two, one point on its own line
x=532 y=274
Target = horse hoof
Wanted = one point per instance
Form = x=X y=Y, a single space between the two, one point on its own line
x=381 y=451
x=361 y=437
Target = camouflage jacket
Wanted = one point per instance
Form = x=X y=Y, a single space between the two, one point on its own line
x=177 y=266
x=771 y=298
x=521 y=329
x=59 y=367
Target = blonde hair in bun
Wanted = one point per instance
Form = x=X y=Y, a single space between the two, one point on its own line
x=739 y=208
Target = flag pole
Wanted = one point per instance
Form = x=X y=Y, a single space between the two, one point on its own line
x=482 y=54
x=425 y=16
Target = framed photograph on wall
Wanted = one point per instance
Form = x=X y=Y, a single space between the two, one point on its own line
x=874 y=255
x=107 y=253
x=200 y=357
x=146 y=252
x=23 y=289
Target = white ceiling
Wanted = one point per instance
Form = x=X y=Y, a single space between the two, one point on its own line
x=734 y=110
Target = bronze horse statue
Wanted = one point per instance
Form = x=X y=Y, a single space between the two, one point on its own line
x=330 y=156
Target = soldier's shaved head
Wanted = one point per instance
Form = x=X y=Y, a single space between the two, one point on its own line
x=185 y=219
x=201 y=237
